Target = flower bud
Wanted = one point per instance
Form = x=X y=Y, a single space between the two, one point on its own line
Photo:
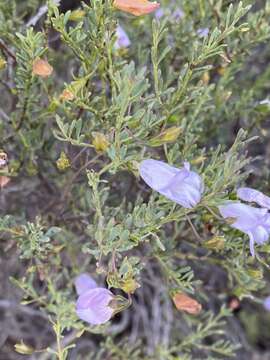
x=100 y=142
x=216 y=243
x=167 y=136
x=129 y=286
x=256 y=274
x=63 y=162
x=24 y=349
x=77 y=15
x=2 y=63
x=206 y=77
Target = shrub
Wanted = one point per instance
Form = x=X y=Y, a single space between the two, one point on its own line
x=87 y=94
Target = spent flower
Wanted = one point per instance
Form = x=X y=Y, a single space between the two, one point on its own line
x=137 y=8
x=41 y=68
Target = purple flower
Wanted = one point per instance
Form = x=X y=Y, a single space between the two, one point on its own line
x=159 y=13
x=175 y=15
x=252 y=221
x=93 y=304
x=178 y=14
x=182 y=186
x=266 y=303
x=203 y=32
x=122 y=38
x=83 y=283
x=252 y=195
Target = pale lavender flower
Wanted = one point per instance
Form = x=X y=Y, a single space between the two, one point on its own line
x=178 y=14
x=203 y=32
x=182 y=186
x=122 y=38
x=159 y=13
x=83 y=283
x=252 y=195
x=266 y=303
x=93 y=304
x=252 y=221
x=175 y=15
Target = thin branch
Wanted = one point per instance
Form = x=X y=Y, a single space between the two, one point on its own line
x=41 y=12
x=6 y=50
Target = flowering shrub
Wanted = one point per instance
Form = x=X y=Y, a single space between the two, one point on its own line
x=133 y=134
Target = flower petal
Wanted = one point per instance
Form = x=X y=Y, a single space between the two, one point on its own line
x=157 y=174
x=93 y=306
x=246 y=217
x=183 y=186
x=84 y=282
x=266 y=303
x=252 y=195
x=122 y=38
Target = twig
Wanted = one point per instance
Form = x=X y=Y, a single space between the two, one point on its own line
x=4 y=115
x=41 y=12
x=4 y=47
x=66 y=341
x=193 y=229
x=7 y=304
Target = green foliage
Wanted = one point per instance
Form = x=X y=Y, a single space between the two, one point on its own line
x=172 y=95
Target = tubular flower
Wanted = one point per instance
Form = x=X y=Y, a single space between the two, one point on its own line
x=93 y=304
x=252 y=221
x=252 y=195
x=136 y=7
x=182 y=186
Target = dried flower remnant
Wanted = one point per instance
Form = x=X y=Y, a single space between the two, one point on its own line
x=122 y=38
x=252 y=221
x=42 y=68
x=93 y=304
x=137 y=8
x=4 y=180
x=3 y=160
x=234 y=303
x=67 y=95
x=185 y=303
x=183 y=186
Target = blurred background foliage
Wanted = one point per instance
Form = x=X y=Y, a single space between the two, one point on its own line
x=75 y=202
